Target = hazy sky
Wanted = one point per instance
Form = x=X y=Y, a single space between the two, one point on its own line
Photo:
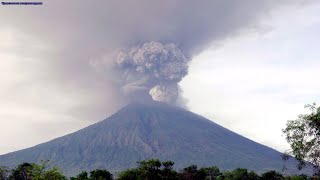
x=254 y=64
x=254 y=83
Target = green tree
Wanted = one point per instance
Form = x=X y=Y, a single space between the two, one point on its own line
x=150 y=169
x=37 y=171
x=297 y=177
x=271 y=175
x=22 y=172
x=52 y=174
x=32 y=171
x=167 y=165
x=167 y=172
x=211 y=173
x=4 y=173
x=192 y=172
x=130 y=174
x=82 y=176
x=237 y=174
x=303 y=135
x=253 y=176
x=100 y=174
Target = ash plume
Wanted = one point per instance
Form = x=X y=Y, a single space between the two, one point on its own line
x=152 y=68
x=140 y=48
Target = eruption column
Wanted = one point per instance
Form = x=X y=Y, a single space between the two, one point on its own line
x=152 y=68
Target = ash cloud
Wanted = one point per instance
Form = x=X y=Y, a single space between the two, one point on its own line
x=78 y=33
x=154 y=68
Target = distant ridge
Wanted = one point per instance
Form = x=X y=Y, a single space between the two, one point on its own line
x=155 y=130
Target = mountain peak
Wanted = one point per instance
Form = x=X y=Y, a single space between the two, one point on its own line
x=151 y=130
x=148 y=105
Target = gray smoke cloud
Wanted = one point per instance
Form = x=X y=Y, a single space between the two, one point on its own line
x=154 y=68
x=156 y=40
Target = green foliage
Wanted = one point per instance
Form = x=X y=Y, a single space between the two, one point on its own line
x=192 y=172
x=272 y=175
x=253 y=176
x=152 y=169
x=238 y=174
x=167 y=172
x=130 y=174
x=206 y=173
x=4 y=173
x=22 y=172
x=100 y=174
x=211 y=173
x=32 y=171
x=300 y=177
x=303 y=135
x=82 y=176
x=53 y=174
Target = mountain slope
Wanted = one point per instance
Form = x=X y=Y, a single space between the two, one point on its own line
x=143 y=131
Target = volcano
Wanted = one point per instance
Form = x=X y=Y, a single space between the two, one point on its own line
x=142 y=131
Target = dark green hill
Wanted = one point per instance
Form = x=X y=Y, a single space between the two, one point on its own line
x=143 y=131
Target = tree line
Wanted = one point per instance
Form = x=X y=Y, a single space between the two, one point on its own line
x=152 y=169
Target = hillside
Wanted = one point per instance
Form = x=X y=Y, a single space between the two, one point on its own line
x=143 y=131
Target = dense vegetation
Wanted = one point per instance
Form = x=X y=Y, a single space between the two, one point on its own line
x=152 y=169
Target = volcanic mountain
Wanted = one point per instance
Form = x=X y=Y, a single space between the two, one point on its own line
x=143 y=131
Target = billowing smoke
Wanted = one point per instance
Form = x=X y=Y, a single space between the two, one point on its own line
x=140 y=49
x=152 y=68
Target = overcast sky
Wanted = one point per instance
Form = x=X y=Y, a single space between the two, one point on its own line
x=255 y=82
x=251 y=71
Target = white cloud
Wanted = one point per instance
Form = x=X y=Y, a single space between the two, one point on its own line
x=254 y=83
